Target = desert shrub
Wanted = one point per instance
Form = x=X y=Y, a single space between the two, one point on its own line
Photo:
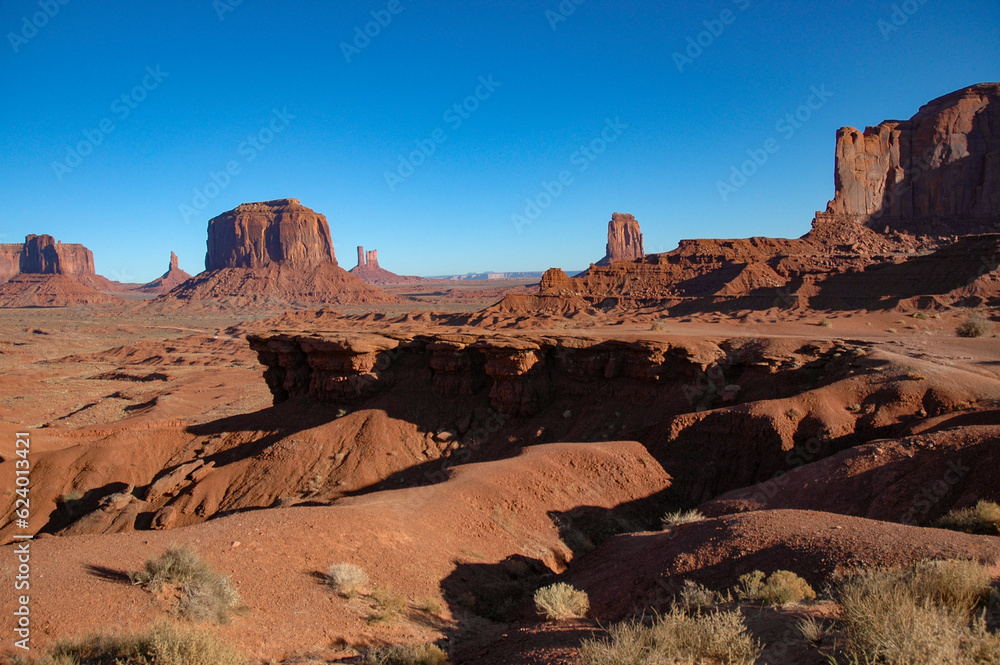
x=974 y=326
x=695 y=597
x=681 y=517
x=812 y=630
x=658 y=326
x=718 y=637
x=920 y=315
x=424 y=654
x=983 y=518
x=163 y=644
x=203 y=594
x=347 y=579
x=915 y=616
x=825 y=323
x=958 y=585
x=780 y=588
x=389 y=605
x=561 y=601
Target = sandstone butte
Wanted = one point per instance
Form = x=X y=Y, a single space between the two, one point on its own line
x=624 y=240
x=271 y=253
x=43 y=272
x=368 y=270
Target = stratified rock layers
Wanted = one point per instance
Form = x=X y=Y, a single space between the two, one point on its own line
x=936 y=173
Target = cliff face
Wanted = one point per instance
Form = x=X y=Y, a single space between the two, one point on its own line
x=254 y=235
x=624 y=240
x=936 y=173
x=42 y=255
x=10 y=261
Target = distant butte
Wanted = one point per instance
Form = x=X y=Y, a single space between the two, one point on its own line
x=271 y=254
x=369 y=270
x=624 y=240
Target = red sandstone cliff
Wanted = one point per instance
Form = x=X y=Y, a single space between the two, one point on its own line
x=369 y=271
x=172 y=278
x=936 y=173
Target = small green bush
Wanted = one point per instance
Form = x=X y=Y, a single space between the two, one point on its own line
x=782 y=587
x=163 y=644
x=424 y=654
x=983 y=518
x=347 y=579
x=974 y=326
x=204 y=595
x=561 y=601
x=718 y=637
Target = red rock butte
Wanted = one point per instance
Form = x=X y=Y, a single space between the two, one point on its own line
x=254 y=235
x=271 y=254
x=624 y=240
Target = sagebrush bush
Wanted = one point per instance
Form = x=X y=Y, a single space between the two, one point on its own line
x=389 y=605
x=695 y=597
x=561 y=601
x=780 y=588
x=974 y=326
x=424 y=654
x=916 y=616
x=163 y=644
x=717 y=637
x=347 y=579
x=983 y=519
x=203 y=594
x=681 y=517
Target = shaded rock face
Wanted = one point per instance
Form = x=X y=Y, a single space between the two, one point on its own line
x=936 y=173
x=254 y=235
x=624 y=240
x=42 y=255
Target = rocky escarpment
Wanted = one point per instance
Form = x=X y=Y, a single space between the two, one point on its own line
x=937 y=173
x=44 y=255
x=693 y=403
x=254 y=235
x=838 y=265
x=624 y=240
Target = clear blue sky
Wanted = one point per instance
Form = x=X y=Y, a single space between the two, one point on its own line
x=219 y=81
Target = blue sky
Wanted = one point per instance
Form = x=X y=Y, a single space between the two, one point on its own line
x=582 y=109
